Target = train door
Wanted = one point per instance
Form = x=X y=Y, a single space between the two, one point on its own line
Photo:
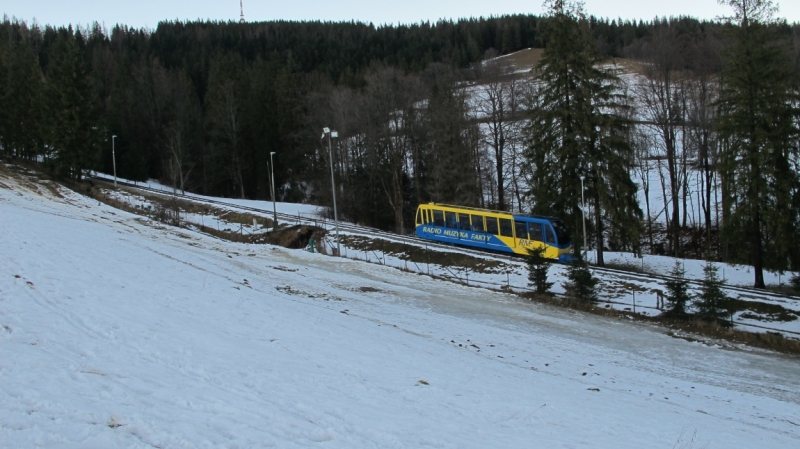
x=550 y=236
x=507 y=230
x=477 y=223
x=551 y=241
x=450 y=220
x=535 y=232
x=463 y=222
x=493 y=231
x=438 y=218
x=537 y=236
x=521 y=232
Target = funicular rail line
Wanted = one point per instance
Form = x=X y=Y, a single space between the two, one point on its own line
x=364 y=230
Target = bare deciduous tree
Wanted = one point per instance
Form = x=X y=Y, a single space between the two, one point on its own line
x=661 y=96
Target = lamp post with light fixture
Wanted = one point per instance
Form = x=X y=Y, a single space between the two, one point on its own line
x=583 y=211
x=274 y=209
x=114 y=158
x=333 y=184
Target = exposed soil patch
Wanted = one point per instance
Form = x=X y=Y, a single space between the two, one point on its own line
x=323 y=296
x=170 y=210
x=761 y=311
x=282 y=268
x=295 y=237
x=690 y=329
x=376 y=248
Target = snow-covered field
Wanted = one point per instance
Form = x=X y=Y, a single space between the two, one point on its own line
x=617 y=290
x=304 y=210
x=117 y=332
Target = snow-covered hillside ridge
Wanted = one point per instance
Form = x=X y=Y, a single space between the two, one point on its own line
x=118 y=332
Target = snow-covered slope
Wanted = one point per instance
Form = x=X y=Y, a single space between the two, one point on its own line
x=115 y=332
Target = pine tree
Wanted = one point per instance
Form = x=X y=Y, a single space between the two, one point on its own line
x=74 y=129
x=712 y=302
x=23 y=101
x=677 y=295
x=582 y=284
x=795 y=282
x=758 y=123
x=3 y=95
x=538 y=267
x=224 y=119
x=578 y=127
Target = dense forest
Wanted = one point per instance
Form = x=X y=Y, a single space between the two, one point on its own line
x=427 y=112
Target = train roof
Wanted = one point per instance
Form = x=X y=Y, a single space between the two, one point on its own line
x=477 y=209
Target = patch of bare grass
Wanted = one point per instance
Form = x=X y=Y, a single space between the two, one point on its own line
x=421 y=255
x=525 y=59
x=715 y=330
x=629 y=267
x=691 y=329
x=169 y=210
x=784 y=289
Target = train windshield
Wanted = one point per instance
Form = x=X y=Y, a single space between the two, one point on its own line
x=561 y=232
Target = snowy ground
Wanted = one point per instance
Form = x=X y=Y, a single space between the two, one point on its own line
x=303 y=210
x=116 y=332
x=618 y=291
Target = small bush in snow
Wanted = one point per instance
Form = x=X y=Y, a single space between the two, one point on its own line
x=581 y=285
x=538 y=266
x=712 y=302
x=795 y=281
x=677 y=292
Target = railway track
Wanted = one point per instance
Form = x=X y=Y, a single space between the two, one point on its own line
x=751 y=293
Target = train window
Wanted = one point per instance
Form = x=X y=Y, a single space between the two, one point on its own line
x=450 y=220
x=535 y=230
x=551 y=237
x=477 y=223
x=463 y=222
x=427 y=216
x=438 y=218
x=562 y=233
x=521 y=228
x=506 y=228
x=419 y=221
x=491 y=225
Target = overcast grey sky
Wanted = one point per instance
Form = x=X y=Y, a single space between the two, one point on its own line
x=147 y=13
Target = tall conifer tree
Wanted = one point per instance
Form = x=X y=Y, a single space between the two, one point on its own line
x=23 y=101
x=74 y=130
x=758 y=122
x=712 y=302
x=578 y=128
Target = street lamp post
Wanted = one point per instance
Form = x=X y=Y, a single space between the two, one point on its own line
x=583 y=211
x=333 y=184
x=114 y=159
x=274 y=209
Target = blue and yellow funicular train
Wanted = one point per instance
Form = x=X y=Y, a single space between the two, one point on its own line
x=493 y=230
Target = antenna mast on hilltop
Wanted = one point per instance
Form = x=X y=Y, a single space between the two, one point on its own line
x=241 y=9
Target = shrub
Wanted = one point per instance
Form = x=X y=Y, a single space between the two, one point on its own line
x=582 y=284
x=677 y=292
x=538 y=266
x=795 y=281
x=712 y=302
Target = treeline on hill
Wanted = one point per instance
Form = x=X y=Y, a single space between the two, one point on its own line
x=420 y=117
